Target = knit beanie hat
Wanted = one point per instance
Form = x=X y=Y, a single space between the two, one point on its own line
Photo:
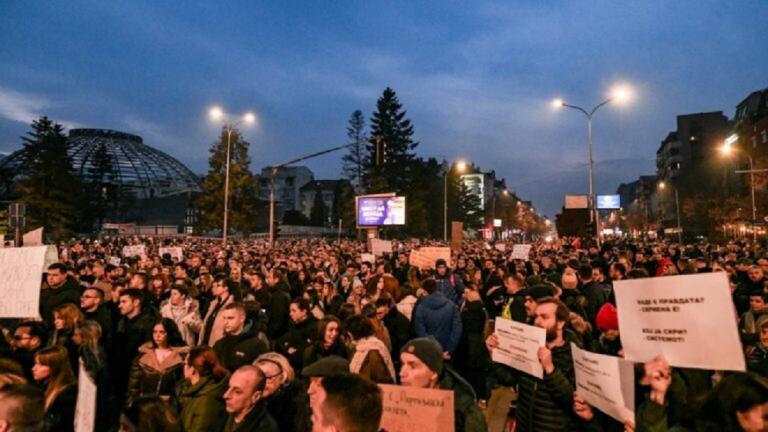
x=607 y=318
x=428 y=350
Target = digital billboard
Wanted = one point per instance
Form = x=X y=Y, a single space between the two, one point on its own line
x=380 y=210
x=608 y=202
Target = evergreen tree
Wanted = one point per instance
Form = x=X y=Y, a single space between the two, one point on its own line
x=48 y=187
x=343 y=206
x=243 y=187
x=318 y=215
x=100 y=195
x=352 y=162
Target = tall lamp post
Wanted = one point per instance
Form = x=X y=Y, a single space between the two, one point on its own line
x=662 y=186
x=218 y=114
x=619 y=94
x=460 y=167
x=727 y=149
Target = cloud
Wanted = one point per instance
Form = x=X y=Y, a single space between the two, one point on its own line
x=25 y=107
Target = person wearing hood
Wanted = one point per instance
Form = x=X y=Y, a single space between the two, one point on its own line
x=435 y=315
x=240 y=345
x=423 y=367
x=449 y=284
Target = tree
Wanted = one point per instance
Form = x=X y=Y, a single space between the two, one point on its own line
x=295 y=217
x=352 y=162
x=243 y=187
x=343 y=205
x=100 y=196
x=318 y=215
x=48 y=186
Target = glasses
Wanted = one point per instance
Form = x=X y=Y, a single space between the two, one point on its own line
x=272 y=377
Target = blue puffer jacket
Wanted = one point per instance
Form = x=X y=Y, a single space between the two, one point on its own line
x=437 y=316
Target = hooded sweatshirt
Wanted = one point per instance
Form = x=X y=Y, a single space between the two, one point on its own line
x=437 y=316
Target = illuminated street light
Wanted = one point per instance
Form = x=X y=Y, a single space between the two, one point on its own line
x=216 y=113
x=727 y=149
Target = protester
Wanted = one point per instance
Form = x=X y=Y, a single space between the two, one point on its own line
x=184 y=311
x=212 y=328
x=286 y=398
x=300 y=335
x=148 y=413
x=330 y=341
x=371 y=358
x=435 y=315
x=350 y=403
x=244 y=402
x=133 y=330
x=201 y=392
x=60 y=289
x=21 y=408
x=239 y=346
x=28 y=338
x=54 y=374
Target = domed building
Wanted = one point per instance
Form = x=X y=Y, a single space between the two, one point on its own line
x=158 y=187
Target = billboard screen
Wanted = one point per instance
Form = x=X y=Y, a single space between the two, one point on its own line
x=576 y=201
x=380 y=210
x=608 y=202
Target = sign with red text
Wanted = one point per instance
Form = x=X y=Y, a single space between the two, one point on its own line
x=413 y=409
x=690 y=319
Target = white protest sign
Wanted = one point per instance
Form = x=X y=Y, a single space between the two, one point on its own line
x=521 y=251
x=410 y=409
x=33 y=238
x=605 y=382
x=519 y=346
x=426 y=257
x=174 y=252
x=85 y=410
x=21 y=272
x=686 y=318
x=501 y=247
x=379 y=246
x=135 y=250
x=115 y=261
x=369 y=258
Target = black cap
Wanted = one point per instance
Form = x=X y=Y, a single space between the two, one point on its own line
x=327 y=366
x=537 y=292
x=440 y=262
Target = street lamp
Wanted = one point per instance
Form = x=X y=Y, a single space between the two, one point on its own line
x=460 y=166
x=217 y=113
x=662 y=186
x=620 y=94
x=727 y=150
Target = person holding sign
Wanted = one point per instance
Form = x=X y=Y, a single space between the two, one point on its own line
x=545 y=404
x=423 y=366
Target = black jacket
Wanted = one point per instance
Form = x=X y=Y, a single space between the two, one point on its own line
x=256 y=420
x=290 y=408
x=317 y=351
x=596 y=298
x=277 y=309
x=130 y=335
x=235 y=351
x=51 y=298
x=472 y=353
x=399 y=328
x=60 y=416
x=298 y=338
x=103 y=316
x=467 y=414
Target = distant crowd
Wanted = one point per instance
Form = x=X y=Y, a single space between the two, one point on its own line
x=297 y=337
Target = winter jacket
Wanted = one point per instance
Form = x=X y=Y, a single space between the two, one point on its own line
x=131 y=334
x=214 y=322
x=186 y=317
x=296 y=340
x=757 y=360
x=60 y=416
x=451 y=286
x=289 y=406
x=472 y=353
x=258 y=419
x=437 y=316
x=51 y=298
x=239 y=350
x=596 y=298
x=103 y=316
x=545 y=404
x=399 y=329
x=149 y=377
x=277 y=310
x=467 y=415
x=317 y=351
x=202 y=406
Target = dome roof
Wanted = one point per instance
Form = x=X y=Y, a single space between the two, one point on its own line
x=138 y=168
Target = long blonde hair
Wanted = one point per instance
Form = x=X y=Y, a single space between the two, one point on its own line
x=90 y=334
x=61 y=377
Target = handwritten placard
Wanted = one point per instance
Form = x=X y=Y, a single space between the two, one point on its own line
x=176 y=253
x=379 y=247
x=21 y=272
x=519 y=346
x=413 y=409
x=521 y=252
x=135 y=250
x=686 y=318
x=426 y=257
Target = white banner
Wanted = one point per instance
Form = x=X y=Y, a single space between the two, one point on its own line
x=369 y=258
x=21 y=273
x=174 y=252
x=501 y=247
x=687 y=318
x=33 y=238
x=379 y=246
x=521 y=252
x=605 y=382
x=85 y=410
x=115 y=261
x=519 y=346
x=135 y=250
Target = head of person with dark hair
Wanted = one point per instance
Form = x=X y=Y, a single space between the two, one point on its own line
x=585 y=273
x=351 y=404
x=52 y=370
x=552 y=315
x=179 y=294
x=56 y=275
x=429 y=285
x=21 y=409
x=30 y=336
x=637 y=273
x=166 y=334
x=735 y=404
x=148 y=413
x=129 y=303
x=139 y=281
x=220 y=287
x=618 y=271
x=346 y=310
x=299 y=310
x=202 y=362
x=91 y=299
x=359 y=327
x=329 y=329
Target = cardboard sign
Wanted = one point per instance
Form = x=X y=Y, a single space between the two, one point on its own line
x=21 y=272
x=135 y=250
x=686 y=318
x=521 y=252
x=501 y=247
x=606 y=382
x=369 y=258
x=413 y=409
x=426 y=257
x=379 y=246
x=174 y=252
x=85 y=410
x=115 y=261
x=33 y=238
x=519 y=346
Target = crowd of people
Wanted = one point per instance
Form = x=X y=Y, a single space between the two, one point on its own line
x=296 y=337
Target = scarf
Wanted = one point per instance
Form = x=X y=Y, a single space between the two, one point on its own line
x=362 y=347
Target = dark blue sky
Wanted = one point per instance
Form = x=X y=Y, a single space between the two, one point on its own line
x=476 y=77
